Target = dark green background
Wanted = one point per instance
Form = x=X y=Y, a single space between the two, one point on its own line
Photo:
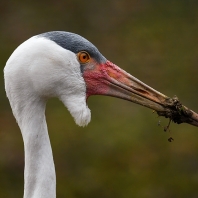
x=122 y=153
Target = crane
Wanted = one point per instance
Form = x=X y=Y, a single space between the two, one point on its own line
x=69 y=67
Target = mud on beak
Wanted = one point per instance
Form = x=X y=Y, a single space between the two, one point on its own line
x=110 y=80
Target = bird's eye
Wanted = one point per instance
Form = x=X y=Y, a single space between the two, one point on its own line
x=83 y=57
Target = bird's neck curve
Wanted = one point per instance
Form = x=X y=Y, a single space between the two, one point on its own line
x=39 y=174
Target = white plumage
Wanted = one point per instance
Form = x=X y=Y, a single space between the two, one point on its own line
x=33 y=73
x=36 y=72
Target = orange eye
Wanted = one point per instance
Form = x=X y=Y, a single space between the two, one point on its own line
x=83 y=57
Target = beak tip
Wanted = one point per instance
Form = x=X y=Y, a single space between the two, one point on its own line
x=178 y=113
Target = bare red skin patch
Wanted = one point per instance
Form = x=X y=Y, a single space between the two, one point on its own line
x=98 y=78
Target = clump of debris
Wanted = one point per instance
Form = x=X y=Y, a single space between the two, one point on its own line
x=177 y=113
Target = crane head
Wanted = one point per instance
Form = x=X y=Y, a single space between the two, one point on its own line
x=68 y=66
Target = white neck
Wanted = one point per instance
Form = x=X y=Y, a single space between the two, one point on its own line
x=40 y=178
x=38 y=69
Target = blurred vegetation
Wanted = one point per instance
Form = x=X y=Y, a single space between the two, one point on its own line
x=122 y=152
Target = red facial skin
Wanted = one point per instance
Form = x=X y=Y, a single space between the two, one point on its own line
x=97 y=78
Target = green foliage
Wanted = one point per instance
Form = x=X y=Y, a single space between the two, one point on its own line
x=123 y=152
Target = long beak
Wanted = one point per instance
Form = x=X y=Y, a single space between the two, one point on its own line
x=108 y=79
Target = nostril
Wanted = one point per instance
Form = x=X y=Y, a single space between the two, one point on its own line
x=141 y=91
